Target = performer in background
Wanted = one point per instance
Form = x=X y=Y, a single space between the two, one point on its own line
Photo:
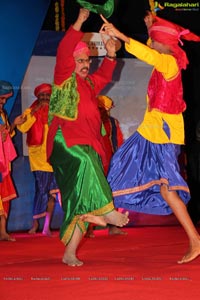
x=36 y=128
x=7 y=155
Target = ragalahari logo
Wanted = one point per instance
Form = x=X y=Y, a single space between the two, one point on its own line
x=184 y=6
x=158 y=6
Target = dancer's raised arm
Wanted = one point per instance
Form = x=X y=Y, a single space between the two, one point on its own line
x=111 y=30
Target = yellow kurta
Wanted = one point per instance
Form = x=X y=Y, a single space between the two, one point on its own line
x=37 y=154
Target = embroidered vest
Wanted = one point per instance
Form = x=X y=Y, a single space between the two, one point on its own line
x=166 y=95
x=65 y=98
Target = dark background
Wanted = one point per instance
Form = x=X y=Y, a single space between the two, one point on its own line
x=127 y=16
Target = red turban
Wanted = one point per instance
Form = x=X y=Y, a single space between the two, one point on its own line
x=43 y=88
x=170 y=34
x=80 y=48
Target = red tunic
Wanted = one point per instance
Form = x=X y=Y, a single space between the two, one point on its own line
x=86 y=129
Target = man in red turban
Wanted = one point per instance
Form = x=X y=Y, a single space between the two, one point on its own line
x=36 y=128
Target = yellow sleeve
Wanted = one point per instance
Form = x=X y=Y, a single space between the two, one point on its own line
x=164 y=63
x=28 y=123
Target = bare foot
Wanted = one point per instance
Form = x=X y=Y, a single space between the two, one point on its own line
x=190 y=255
x=47 y=232
x=34 y=228
x=99 y=220
x=72 y=261
x=6 y=237
x=114 y=217
x=32 y=231
x=117 y=218
x=113 y=230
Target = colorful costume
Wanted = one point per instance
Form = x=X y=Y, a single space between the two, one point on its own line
x=113 y=137
x=148 y=158
x=75 y=146
x=7 y=155
x=36 y=127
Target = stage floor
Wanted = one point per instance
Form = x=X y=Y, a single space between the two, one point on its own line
x=139 y=265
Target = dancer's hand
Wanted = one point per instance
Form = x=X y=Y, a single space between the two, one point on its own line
x=82 y=17
x=110 y=45
x=112 y=31
x=108 y=28
x=83 y=14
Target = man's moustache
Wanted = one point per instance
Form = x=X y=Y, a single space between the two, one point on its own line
x=85 y=68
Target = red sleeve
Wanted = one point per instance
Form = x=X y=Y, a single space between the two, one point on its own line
x=103 y=75
x=65 y=64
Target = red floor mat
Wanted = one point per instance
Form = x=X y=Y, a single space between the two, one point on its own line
x=140 y=265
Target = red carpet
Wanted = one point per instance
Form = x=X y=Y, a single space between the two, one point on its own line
x=141 y=265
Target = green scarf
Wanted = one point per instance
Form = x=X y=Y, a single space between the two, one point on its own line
x=64 y=100
x=106 y=9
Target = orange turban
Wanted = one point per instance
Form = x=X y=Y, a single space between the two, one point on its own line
x=105 y=102
x=43 y=88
